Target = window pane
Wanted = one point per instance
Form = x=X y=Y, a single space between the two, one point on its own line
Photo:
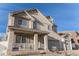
x=23 y=39
x=18 y=39
x=19 y=22
x=24 y=22
x=36 y=25
x=48 y=27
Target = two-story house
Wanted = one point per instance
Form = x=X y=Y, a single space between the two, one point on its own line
x=30 y=30
x=72 y=42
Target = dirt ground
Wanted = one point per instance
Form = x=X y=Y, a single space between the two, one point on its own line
x=58 y=53
x=54 y=53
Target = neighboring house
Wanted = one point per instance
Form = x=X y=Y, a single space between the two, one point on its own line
x=78 y=37
x=73 y=42
x=29 y=30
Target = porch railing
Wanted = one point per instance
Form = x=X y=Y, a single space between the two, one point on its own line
x=22 y=46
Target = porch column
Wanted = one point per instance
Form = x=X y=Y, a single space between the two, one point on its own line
x=35 y=41
x=45 y=42
x=10 y=39
x=70 y=44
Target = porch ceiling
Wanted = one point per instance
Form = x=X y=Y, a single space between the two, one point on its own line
x=27 y=30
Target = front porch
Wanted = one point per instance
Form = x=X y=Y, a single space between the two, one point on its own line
x=27 y=42
x=30 y=42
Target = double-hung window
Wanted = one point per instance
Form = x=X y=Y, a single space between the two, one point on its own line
x=49 y=28
x=23 y=39
x=20 y=39
x=23 y=23
x=36 y=25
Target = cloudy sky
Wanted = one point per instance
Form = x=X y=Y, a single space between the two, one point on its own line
x=66 y=16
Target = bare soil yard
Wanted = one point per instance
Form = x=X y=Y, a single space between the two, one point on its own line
x=60 y=53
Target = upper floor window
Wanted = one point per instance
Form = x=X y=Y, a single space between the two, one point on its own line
x=54 y=28
x=23 y=23
x=49 y=27
x=36 y=25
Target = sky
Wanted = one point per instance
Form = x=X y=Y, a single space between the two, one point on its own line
x=66 y=16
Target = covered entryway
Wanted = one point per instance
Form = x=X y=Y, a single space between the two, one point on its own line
x=24 y=41
x=40 y=41
x=53 y=44
x=30 y=42
x=28 y=39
